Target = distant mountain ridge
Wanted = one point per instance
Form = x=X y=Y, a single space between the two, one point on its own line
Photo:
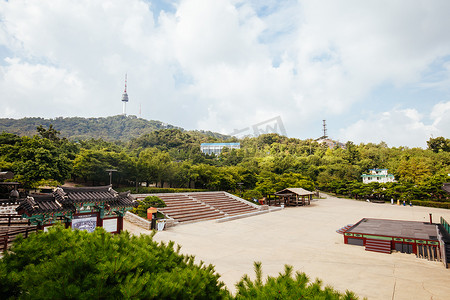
x=114 y=128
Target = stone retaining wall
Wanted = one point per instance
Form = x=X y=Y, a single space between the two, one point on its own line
x=144 y=223
x=141 y=222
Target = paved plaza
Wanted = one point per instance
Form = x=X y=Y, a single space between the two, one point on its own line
x=306 y=238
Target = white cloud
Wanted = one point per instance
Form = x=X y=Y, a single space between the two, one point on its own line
x=218 y=65
x=54 y=87
x=400 y=127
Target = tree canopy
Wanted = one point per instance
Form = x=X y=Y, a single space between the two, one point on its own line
x=264 y=164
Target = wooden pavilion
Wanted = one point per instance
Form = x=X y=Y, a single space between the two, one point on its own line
x=81 y=208
x=294 y=197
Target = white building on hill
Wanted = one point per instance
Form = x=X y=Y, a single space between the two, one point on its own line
x=216 y=148
x=378 y=175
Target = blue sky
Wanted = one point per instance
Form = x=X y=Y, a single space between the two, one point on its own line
x=375 y=70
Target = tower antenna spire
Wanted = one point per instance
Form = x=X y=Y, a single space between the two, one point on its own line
x=125 y=97
x=325 y=129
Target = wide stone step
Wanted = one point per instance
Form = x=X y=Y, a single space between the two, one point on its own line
x=231 y=211
x=177 y=200
x=181 y=203
x=233 y=206
x=187 y=210
x=215 y=198
x=196 y=216
x=227 y=204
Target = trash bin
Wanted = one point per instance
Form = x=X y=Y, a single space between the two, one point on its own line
x=160 y=224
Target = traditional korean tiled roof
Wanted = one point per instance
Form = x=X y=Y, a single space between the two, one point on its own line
x=65 y=199
x=123 y=200
x=446 y=187
x=41 y=204
x=86 y=194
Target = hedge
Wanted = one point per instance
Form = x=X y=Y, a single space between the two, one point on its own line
x=155 y=190
x=431 y=204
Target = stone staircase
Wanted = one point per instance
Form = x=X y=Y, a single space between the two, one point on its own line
x=183 y=208
x=226 y=204
x=190 y=207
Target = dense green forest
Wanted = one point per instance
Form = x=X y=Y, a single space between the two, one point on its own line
x=264 y=164
x=115 y=128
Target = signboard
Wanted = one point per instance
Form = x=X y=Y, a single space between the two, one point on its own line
x=110 y=225
x=85 y=222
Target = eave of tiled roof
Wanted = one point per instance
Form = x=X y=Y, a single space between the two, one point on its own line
x=41 y=204
x=64 y=199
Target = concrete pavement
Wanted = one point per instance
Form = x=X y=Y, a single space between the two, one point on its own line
x=306 y=238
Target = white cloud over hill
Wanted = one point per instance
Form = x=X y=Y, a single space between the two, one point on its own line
x=223 y=65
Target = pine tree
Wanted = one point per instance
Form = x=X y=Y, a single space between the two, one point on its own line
x=66 y=264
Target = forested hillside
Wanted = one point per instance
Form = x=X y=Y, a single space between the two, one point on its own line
x=264 y=164
x=115 y=128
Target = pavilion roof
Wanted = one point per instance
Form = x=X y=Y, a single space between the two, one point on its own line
x=297 y=191
x=446 y=187
x=41 y=204
x=64 y=199
x=86 y=194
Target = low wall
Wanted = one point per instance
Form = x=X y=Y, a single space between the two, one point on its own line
x=144 y=223
x=141 y=222
x=8 y=209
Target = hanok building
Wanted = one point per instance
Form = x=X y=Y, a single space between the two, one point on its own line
x=294 y=197
x=83 y=208
x=426 y=240
x=6 y=175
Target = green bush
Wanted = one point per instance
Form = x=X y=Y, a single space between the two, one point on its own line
x=285 y=286
x=74 y=264
x=431 y=204
x=250 y=194
x=149 y=201
x=155 y=190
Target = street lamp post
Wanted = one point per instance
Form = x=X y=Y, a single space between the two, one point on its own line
x=110 y=174
x=240 y=184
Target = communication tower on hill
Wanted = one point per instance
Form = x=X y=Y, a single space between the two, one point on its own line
x=125 y=97
x=325 y=129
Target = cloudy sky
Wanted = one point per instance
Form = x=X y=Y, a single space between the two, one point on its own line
x=375 y=70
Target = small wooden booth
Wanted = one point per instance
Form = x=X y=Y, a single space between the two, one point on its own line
x=294 y=197
x=83 y=208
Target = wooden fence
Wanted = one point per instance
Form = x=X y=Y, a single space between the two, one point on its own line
x=9 y=234
x=8 y=220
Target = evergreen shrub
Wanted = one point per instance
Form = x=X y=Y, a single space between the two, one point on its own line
x=286 y=286
x=250 y=194
x=149 y=201
x=74 y=264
